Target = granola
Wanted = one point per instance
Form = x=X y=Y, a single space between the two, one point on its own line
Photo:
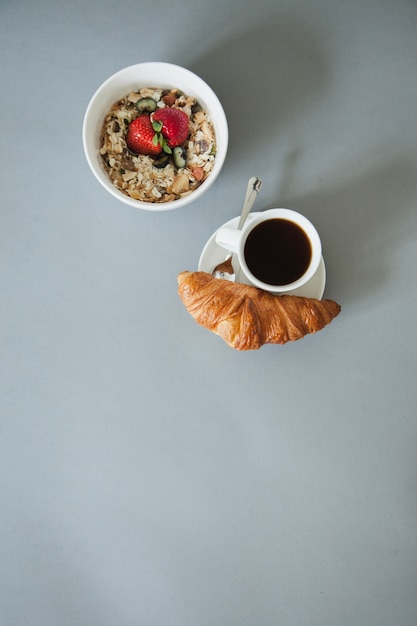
x=135 y=174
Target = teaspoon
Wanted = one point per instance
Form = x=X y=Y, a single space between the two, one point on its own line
x=225 y=269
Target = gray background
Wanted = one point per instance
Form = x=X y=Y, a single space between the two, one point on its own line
x=150 y=475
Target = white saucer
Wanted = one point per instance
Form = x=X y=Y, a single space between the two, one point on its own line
x=213 y=254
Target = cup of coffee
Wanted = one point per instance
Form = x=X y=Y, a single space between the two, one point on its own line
x=278 y=250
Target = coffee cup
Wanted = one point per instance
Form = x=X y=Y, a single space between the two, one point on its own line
x=278 y=250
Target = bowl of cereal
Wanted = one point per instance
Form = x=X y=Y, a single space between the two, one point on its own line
x=155 y=136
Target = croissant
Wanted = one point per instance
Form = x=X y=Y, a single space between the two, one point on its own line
x=247 y=317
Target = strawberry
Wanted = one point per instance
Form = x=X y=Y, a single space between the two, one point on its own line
x=174 y=125
x=140 y=136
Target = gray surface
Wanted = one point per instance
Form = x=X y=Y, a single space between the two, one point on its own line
x=150 y=475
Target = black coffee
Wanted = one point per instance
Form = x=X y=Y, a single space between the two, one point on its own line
x=277 y=251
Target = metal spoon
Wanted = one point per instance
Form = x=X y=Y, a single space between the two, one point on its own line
x=225 y=269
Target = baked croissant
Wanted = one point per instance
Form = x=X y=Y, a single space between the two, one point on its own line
x=247 y=317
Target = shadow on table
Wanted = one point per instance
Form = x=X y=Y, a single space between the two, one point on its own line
x=263 y=77
x=364 y=219
x=266 y=78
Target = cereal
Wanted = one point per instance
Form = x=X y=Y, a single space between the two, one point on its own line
x=135 y=174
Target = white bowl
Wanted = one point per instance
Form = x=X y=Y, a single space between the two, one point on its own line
x=153 y=74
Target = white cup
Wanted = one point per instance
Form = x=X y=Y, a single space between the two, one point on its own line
x=278 y=250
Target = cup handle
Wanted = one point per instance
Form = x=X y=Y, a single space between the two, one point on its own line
x=228 y=238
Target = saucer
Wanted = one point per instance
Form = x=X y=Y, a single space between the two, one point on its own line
x=213 y=254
